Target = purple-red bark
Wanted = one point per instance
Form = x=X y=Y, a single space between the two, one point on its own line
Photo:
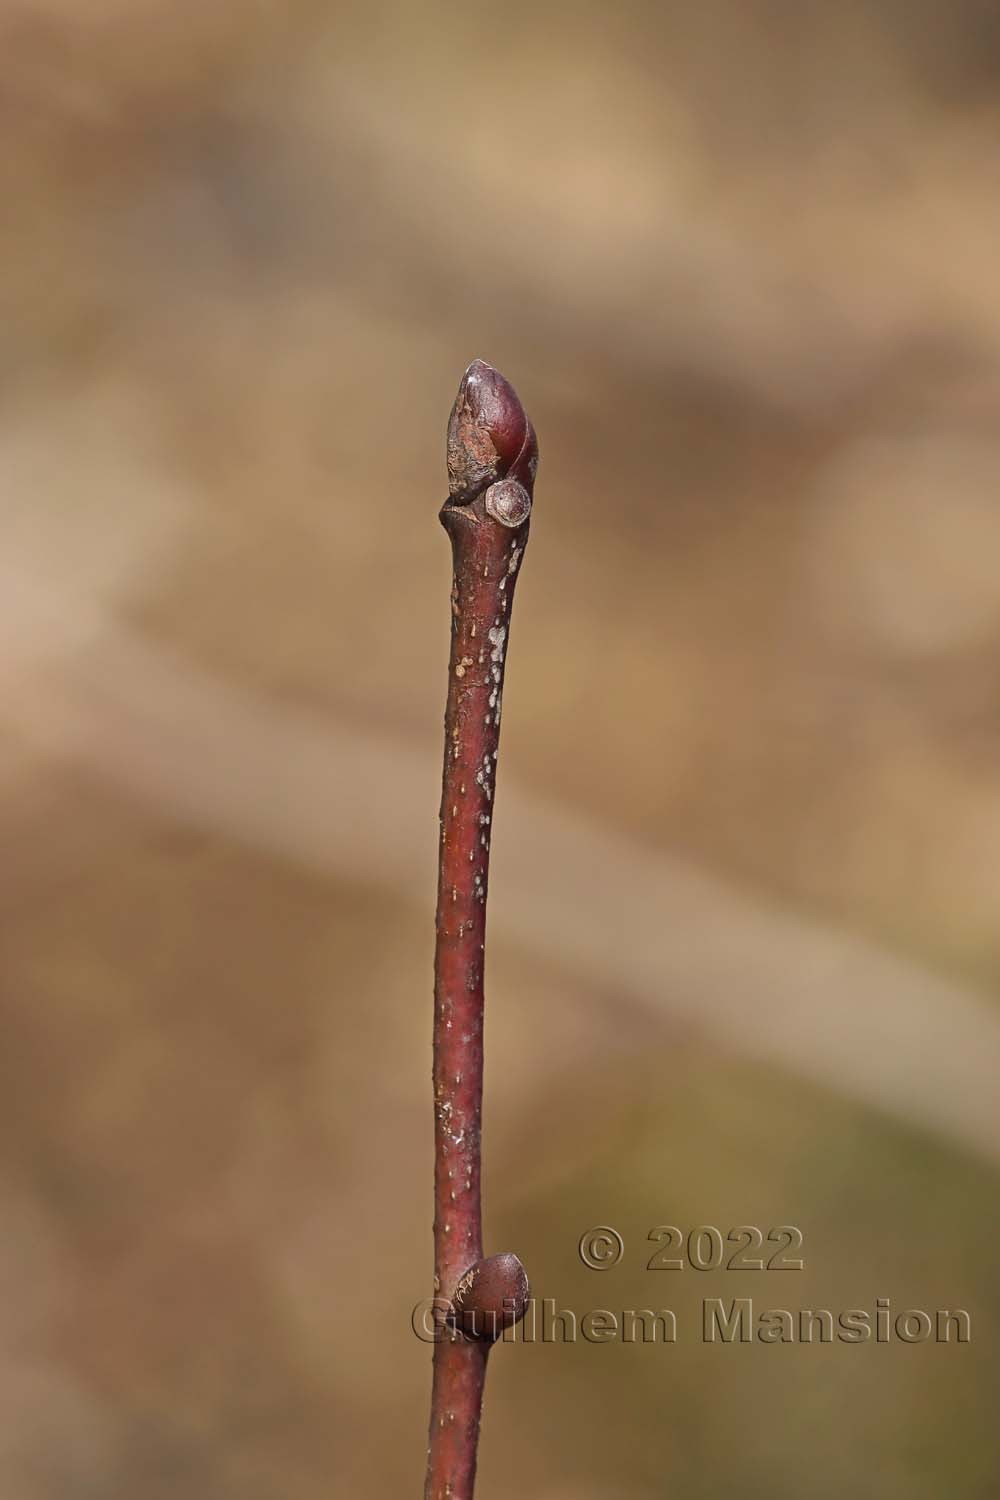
x=492 y=458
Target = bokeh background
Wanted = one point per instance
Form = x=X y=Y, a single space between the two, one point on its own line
x=739 y=258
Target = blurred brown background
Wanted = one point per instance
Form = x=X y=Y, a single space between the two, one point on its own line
x=740 y=261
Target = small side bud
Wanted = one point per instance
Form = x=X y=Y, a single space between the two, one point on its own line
x=508 y=502
x=491 y=1296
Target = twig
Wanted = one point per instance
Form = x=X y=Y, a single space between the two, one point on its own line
x=492 y=458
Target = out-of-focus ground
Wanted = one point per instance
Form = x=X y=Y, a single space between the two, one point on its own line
x=740 y=260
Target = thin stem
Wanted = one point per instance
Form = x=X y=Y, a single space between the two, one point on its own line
x=492 y=458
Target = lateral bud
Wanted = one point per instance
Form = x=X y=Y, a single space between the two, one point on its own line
x=491 y=1296
x=507 y=502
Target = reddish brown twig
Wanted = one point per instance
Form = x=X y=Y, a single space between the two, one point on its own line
x=492 y=458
